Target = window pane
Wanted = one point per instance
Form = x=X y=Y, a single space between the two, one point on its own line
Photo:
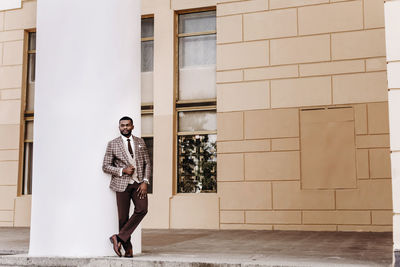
x=29 y=130
x=197 y=83
x=197 y=71
x=27 y=176
x=147 y=27
x=147 y=56
x=30 y=90
x=197 y=22
x=192 y=121
x=147 y=124
x=197 y=50
x=32 y=41
x=149 y=145
x=147 y=87
x=147 y=72
x=197 y=164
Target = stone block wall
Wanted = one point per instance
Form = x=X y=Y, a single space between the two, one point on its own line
x=14 y=211
x=303 y=135
x=295 y=78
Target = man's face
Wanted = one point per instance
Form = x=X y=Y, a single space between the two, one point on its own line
x=125 y=127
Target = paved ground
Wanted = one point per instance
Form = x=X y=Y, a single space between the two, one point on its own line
x=224 y=248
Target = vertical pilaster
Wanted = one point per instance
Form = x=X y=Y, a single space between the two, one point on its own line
x=164 y=101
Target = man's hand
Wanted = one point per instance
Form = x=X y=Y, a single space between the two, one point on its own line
x=142 y=190
x=128 y=170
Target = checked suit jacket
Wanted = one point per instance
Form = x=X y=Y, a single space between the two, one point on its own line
x=116 y=158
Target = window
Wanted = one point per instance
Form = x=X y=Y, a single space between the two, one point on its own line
x=147 y=135
x=196 y=103
x=147 y=44
x=197 y=158
x=28 y=116
x=197 y=56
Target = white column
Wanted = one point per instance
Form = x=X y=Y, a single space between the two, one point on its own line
x=392 y=22
x=88 y=76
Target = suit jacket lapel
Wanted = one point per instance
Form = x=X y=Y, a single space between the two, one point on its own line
x=123 y=150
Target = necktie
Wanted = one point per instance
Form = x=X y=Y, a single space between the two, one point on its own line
x=130 y=147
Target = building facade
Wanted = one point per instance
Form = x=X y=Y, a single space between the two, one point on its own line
x=259 y=114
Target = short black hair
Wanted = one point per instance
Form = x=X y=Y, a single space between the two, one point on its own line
x=126 y=118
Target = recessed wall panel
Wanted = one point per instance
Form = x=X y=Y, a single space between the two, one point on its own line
x=327 y=149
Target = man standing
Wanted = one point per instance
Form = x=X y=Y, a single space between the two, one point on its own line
x=128 y=162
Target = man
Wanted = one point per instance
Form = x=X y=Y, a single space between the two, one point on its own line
x=128 y=162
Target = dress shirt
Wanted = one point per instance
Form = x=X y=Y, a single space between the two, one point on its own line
x=134 y=177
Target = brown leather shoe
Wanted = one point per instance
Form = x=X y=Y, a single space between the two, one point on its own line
x=128 y=253
x=128 y=249
x=116 y=245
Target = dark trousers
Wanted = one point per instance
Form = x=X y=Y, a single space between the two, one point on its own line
x=128 y=225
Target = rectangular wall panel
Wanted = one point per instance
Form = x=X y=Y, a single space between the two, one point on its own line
x=327 y=148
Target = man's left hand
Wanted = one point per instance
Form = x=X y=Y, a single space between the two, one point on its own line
x=142 y=190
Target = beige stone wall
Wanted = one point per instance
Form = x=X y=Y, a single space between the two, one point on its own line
x=277 y=60
x=14 y=211
x=167 y=209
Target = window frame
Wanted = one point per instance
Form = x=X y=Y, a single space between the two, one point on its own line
x=148 y=108
x=25 y=115
x=187 y=105
x=176 y=54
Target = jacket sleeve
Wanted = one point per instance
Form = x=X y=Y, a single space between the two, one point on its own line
x=147 y=170
x=108 y=162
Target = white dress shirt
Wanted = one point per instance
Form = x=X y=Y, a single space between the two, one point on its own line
x=134 y=177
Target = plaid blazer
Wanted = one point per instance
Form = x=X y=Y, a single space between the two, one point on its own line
x=117 y=158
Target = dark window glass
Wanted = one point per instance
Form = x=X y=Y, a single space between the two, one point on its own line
x=149 y=145
x=147 y=56
x=32 y=41
x=28 y=116
x=27 y=175
x=147 y=27
x=197 y=163
x=30 y=82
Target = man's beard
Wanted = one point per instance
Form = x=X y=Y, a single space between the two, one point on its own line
x=126 y=134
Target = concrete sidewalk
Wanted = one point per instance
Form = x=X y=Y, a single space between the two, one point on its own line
x=224 y=248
